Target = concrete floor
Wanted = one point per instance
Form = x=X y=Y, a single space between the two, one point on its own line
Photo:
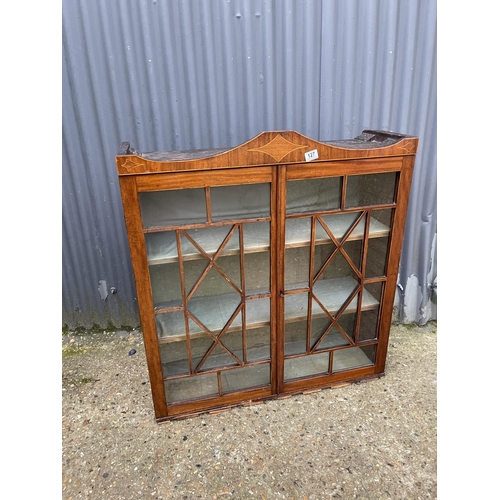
x=369 y=440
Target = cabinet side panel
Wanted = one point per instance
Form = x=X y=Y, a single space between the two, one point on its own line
x=393 y=259
x=137 y=246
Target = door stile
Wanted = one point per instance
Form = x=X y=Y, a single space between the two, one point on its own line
x=243 y=294
x=274 y=279
x=394 y=254
x=137 y=244
x=279 y=269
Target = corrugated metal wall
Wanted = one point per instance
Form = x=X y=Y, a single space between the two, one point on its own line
x=190 y=74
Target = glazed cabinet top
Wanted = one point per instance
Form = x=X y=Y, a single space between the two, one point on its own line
x=268 y=148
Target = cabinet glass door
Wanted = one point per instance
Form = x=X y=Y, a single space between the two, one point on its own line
x=337 y=233
x=209 y=258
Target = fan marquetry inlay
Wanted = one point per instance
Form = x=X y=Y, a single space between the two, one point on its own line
x=129 y=164
x=278 y=148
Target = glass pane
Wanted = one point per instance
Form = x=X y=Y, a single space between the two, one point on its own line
x=339 y=225
x=319 y=325
x=376 y=258
x=214 y=311
x=247 y=201
x=214 y=283
x=378 y=246
x=218 y=358
x=332 y=293
x=258 y=313
x=210 y=239
x=332 y=339
x=353 y=357
x=328 y=265
x=348 y=322
x=295 y=337
x=199 y=386
x=295 y=323
x=245 y=378
x=161 y=247
x=321 y=255
x=258 y=344
x=369 y=317
x=173 y=208
x=166 y=285
x=371 y=189
x=296 y=306
x=229 y=263
x=297 y=251
x=306 y=366
x=257 y=258
x=380 y=222
x=256 y=236
x=354 y=250
x=217 y=355
x=257 y=273
x=313 y=195
x=227 y=352
x=368 y=325
x=230 y=267
x=200 y=344
x=233 y=341
x=298 y=232
x=339 y=265
x=193 y=271
x=170 y=325
x=297 y=268
x=174 y=359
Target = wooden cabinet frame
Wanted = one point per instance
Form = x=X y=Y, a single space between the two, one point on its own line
x=271 y=164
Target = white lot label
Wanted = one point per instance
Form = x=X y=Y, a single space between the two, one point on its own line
x=312 y=155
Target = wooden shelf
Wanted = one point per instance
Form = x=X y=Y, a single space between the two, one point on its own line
x=162 y=246
x=215 y=311
x=298 y=230
x=332 y=293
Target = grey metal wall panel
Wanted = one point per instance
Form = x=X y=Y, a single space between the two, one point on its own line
x=190 y=74
x=379 y=71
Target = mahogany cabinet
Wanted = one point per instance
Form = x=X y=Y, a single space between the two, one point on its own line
x=267 y=269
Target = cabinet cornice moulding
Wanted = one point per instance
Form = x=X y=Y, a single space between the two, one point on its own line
x=267 y=148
